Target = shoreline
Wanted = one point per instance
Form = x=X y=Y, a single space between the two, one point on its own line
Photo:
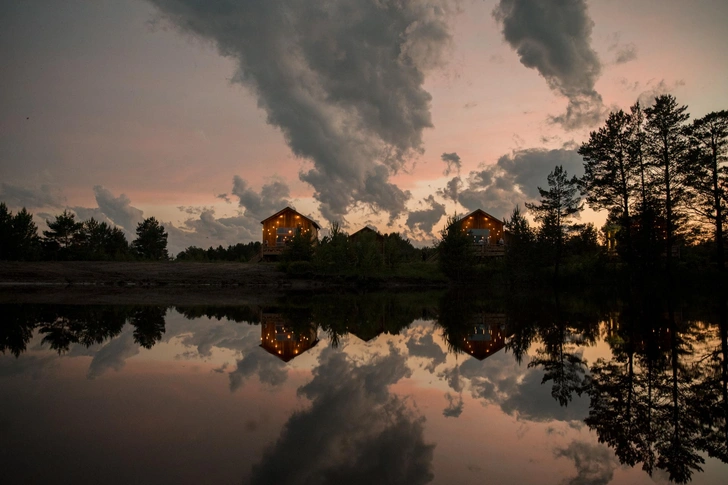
x=232 y=282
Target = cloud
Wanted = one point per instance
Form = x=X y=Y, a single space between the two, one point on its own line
x=453 y=162
x=354 y=432
x=595 y=464
x=273 y=196
x=343 y=81
x=647 y=97
x=514 y=179
x=16 y=197
x=554 y=37
x=118 y=209
x=455 y=406
x=623 y=53
x=424 y=220
x=425 y=346
x=224 y=197
x=452 y=189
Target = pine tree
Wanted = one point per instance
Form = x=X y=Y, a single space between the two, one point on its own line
x=151 y=241
x=558 y=205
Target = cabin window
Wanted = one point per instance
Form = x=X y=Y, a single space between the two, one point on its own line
x=480 y=236
x=284 y=235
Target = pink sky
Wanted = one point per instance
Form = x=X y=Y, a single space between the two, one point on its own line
x=103 y=93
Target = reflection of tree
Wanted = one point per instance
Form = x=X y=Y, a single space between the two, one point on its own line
x=63 y=325
x=17 y=323
x=711 y=393
x=656 y=402
x=149 y=325
x=561 y=334
x=235 y=313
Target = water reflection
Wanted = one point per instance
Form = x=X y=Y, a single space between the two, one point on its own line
x=646 y=376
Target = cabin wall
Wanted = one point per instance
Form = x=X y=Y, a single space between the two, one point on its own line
x=482 y=221
x=272 y=229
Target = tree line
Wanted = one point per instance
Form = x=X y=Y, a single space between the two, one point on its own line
x=662 y=180
x=68 y=239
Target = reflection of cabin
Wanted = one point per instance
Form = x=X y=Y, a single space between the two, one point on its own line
x=367 y=232
x=485 y=336
x=487 y=232
x=279 y=229
x=280 y=339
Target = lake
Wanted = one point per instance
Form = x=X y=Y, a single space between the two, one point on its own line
x=412 y=388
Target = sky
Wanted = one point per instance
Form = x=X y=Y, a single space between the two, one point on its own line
x=211 y=116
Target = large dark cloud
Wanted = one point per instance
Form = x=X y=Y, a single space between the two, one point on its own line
x=342 y=80
x=354 y=432
x=514 y=179
x=554 y=37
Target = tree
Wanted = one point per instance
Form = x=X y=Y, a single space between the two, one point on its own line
x=300 y=248
x=519 y=250
x=62 y=234
x=558 y=205
x=611 y=170
x=608 y=179
x=708 y=180
x=151 y=241
x=667 y=148
x=456 y=251
x=18 y=235
x=101 y=241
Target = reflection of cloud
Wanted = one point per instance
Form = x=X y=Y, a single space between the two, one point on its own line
x=355 y=431
x=35 y=365
x=515 y=388
x=455 y=406
x=113 y=355
x=452 y=377
x=425 y=346
x=269 y=369
x=595 y=464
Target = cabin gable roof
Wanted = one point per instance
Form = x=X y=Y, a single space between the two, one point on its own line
x=295 y=212
x=480 y=212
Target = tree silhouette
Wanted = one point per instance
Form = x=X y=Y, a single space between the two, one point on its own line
x=151 y=241
x=667 y=149
x=708 y=179
x=456 y=251
x=18 y=235
x=62 y=233
x=558 y=205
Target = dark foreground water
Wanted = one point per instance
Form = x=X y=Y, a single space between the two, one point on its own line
x=367 y=389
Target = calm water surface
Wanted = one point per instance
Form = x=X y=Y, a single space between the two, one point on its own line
x=396 y=388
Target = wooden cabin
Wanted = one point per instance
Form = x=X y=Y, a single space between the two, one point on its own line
x=278 y=337
x=279 y=229
x=488 y=233
x=367 y=232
